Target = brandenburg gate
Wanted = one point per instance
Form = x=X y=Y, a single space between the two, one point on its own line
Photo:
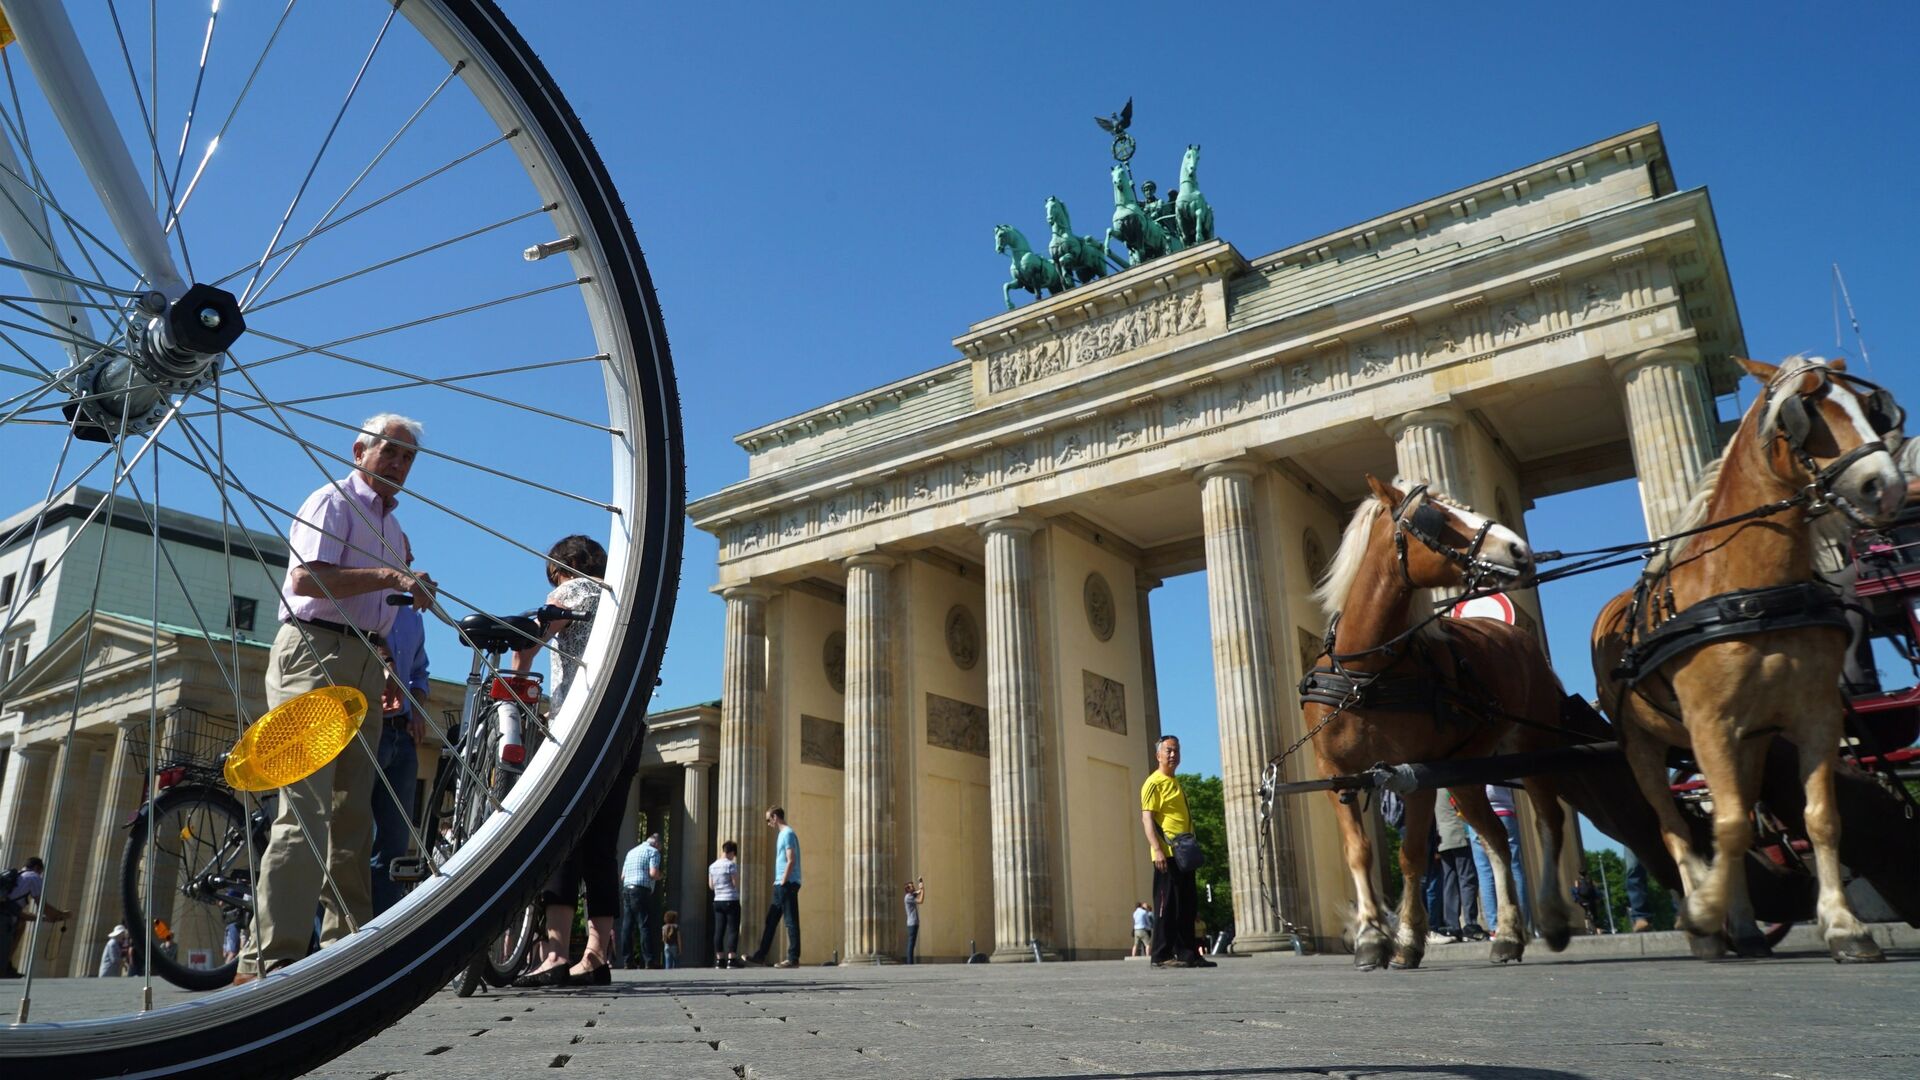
x=940 y=652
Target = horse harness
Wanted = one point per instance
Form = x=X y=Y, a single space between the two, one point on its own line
x=1449 y=696
x=1743 y=612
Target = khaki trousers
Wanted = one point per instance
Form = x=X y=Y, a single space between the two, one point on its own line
x=330 y=812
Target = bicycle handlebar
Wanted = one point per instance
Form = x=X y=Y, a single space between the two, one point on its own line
x=545 y=613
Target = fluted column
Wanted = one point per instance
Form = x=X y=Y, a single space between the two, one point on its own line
x=871 y=935
x=693 y=848
x=1670 y=427
x=1022 y=891
x=100 y=908
x=1245 y=695
x=1144 y=584
x=743 y=744
x=1426 y=448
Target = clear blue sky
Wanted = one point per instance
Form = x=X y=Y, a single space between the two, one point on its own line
x=815 y=187
x=816 y=192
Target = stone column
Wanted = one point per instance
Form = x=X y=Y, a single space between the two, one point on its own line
x=694 y=848
x=100 y=907
x=1426 y=447
x=743 y=746
x=1144 y=584
x=1670 y=425
x=870 y=935
x=1246 y=698
x=1022 y=889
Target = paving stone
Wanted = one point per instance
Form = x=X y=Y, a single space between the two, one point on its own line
x=1591 y=1016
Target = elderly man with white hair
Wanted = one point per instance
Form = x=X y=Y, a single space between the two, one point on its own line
x=347 y=554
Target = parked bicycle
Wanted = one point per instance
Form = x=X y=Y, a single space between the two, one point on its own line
x=202 y=876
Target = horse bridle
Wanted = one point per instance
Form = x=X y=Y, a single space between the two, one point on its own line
x=1425 y=523
x=1794 y=423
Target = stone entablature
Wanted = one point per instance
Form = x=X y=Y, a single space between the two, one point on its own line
x=1611 y=290
x=1154 y=308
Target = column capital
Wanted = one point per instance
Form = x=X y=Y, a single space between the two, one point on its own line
x=1018 y=524
x=1144 y=581
x=748 y=591
x=1440 y=414
x=1239 y=466
x=877 y=560
x=1685 y=352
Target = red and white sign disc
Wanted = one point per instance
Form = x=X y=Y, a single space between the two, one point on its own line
x=1494 y=606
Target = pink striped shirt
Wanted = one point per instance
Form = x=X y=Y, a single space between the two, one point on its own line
x=333 y=527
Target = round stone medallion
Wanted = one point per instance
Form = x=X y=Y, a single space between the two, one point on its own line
x=963 y=637
x=1099 y=598
x=834 y=659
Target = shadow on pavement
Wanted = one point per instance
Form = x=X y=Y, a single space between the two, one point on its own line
x=1343 y=1071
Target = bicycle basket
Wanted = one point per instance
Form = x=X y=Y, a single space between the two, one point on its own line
x=192 y=746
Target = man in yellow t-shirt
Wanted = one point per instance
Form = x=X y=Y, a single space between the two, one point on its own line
x=1164 y=817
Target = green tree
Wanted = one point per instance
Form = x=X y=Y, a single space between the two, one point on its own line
x=1608 y=871
x=1206 y=801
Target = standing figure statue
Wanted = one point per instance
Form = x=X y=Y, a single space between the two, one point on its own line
x=1029 y=271
x=1196 y=216
x=1080 y=259
x=1161 y=212
x=1143 y=237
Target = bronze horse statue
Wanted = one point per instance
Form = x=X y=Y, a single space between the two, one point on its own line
x=1028 y=270
x=1388 y=690
x=1080 y=259
x=1143 y=237
x=1809 y=444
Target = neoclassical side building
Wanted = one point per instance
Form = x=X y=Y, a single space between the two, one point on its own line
x=940 y=651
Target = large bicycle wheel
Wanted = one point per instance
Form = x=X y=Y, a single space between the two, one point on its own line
x=201 y=884
x=363 y=178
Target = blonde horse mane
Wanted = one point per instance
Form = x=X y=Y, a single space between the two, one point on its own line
x=1695 y=514
x=1331 y=594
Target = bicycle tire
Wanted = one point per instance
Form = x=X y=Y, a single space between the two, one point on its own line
x=133 y=900
x=292 y=1021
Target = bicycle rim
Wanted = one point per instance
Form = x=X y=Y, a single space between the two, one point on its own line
x=393 y=282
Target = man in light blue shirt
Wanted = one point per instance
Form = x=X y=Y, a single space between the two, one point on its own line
x=638 y=877
x=785 y=902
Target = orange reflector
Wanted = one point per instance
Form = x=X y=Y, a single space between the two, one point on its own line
x=296 y=739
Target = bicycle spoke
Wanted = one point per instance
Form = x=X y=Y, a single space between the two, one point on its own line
x=207 y=155
x=239 y=707
x=42 y=190
x=409 y=384
x=73 y=723
x=340 y=114
x=328 y=351
x=395 y=261
x=193 y=102
x=151 y=120
x=153 y=720
x=427 y=451
x=294 y=249
x=395 y=193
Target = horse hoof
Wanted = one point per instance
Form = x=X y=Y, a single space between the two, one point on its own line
x=1370 y=955
x=1557 y=939
x=1752 y=948
x=1407 y=961
x=1505 y=951
x=1856 y=950
x=1707 y=946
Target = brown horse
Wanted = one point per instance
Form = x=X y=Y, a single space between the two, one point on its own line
x=1811 y=435
x=1454 y=688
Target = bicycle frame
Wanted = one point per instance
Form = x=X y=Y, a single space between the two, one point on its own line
x=46 y=36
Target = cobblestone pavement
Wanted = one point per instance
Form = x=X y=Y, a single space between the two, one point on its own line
x=1596 y=1014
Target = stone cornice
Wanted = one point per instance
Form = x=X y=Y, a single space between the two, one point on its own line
x=1642 y=144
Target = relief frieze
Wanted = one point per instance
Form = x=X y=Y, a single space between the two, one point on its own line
x=956 y=725
x=1109 y=335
